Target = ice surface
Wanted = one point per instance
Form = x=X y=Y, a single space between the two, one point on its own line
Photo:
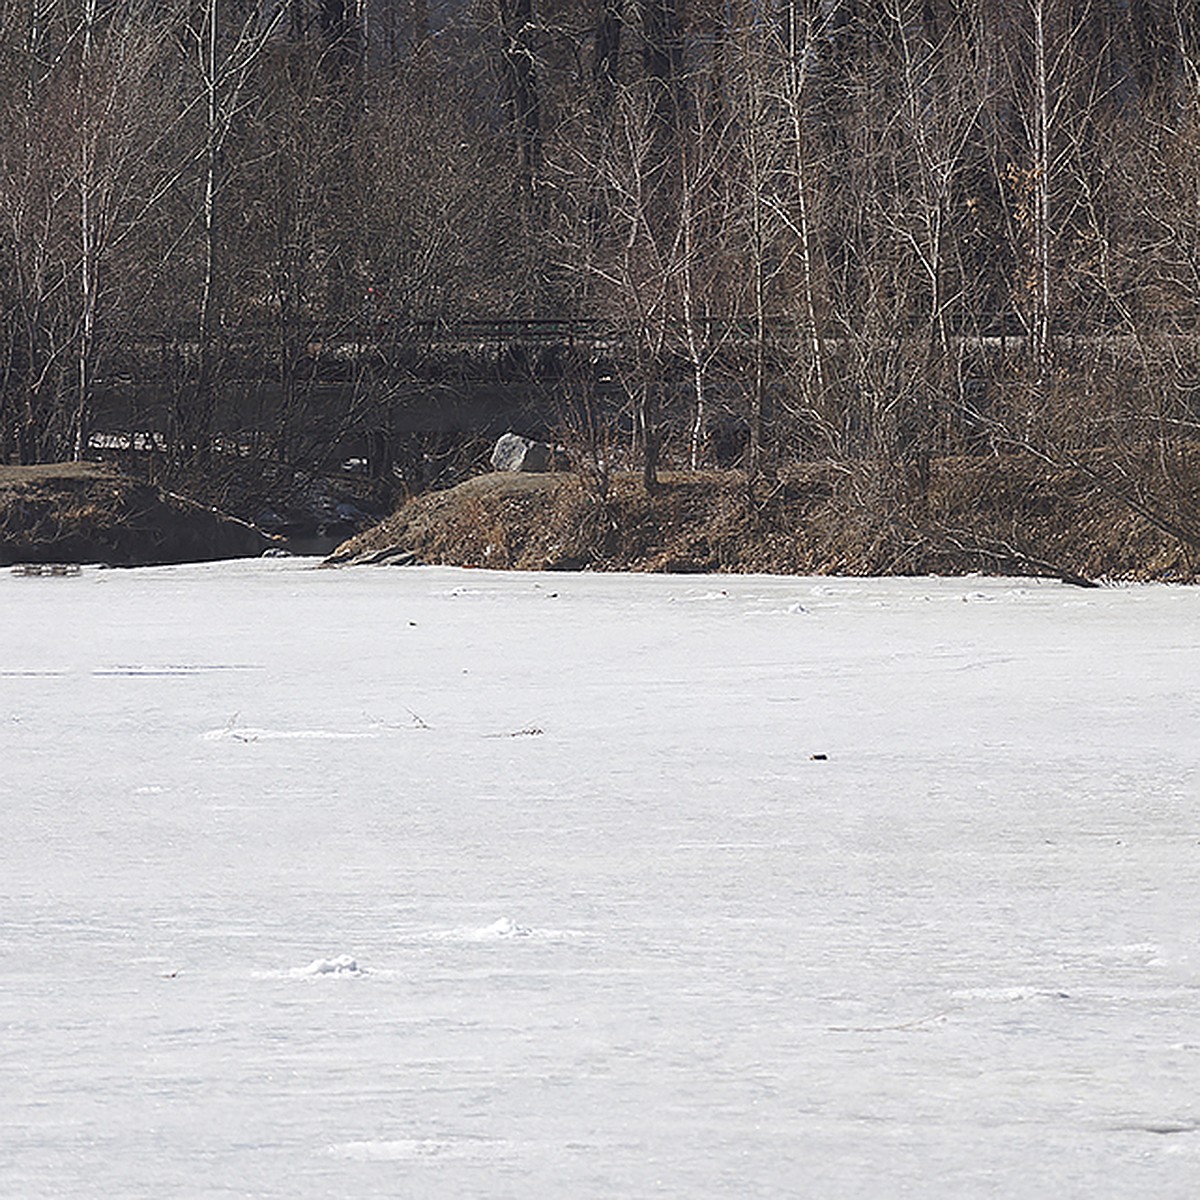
x=582 y=915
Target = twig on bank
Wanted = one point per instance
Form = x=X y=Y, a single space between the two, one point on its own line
x=1002 y=552
x=273 y=538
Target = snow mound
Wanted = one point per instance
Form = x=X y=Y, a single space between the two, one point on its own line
x=343 y=964
x=506 y=928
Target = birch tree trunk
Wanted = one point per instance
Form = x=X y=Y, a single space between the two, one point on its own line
x=89 y=280
x=800 y=47
x=199 y=437
x=1042 y=185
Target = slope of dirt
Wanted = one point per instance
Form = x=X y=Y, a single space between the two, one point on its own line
x=83 y=512
x=1008 y=516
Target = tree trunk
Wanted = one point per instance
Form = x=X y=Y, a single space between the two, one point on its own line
x=518 y=29
x=606 y=59
x=198 y=431
x=1042 y=167
x=88 y=261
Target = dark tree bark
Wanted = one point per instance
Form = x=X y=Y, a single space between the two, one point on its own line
x=662 y=55
x=606 y=58
x=518 y=30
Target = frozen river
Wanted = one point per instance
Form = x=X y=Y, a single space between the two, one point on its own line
x=432 y=883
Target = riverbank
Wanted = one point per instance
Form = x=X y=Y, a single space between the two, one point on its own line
x=1003 y=516
x=1000 y=515
x=87 y=512
x=123 y=515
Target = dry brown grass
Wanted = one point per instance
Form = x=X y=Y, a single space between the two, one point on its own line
x=83 y=512
x=999 y=515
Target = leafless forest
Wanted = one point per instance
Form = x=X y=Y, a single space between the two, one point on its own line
x=676 y=232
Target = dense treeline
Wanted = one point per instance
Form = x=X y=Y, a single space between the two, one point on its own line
x=882 y=231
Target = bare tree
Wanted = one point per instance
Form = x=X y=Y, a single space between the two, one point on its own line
x=227 y=47
x=91 y=153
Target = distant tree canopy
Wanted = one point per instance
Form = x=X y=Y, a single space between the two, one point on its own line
x=894 y=230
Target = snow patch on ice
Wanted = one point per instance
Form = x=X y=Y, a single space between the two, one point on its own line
x=1009 y=995
x=775 y=611
x=505 y=929
x=694 y=597
x=343 y=964
x=246 y=733
x=410 y=1149
x=1162 y=1127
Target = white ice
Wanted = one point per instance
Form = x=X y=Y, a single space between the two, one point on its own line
x=419 y=882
